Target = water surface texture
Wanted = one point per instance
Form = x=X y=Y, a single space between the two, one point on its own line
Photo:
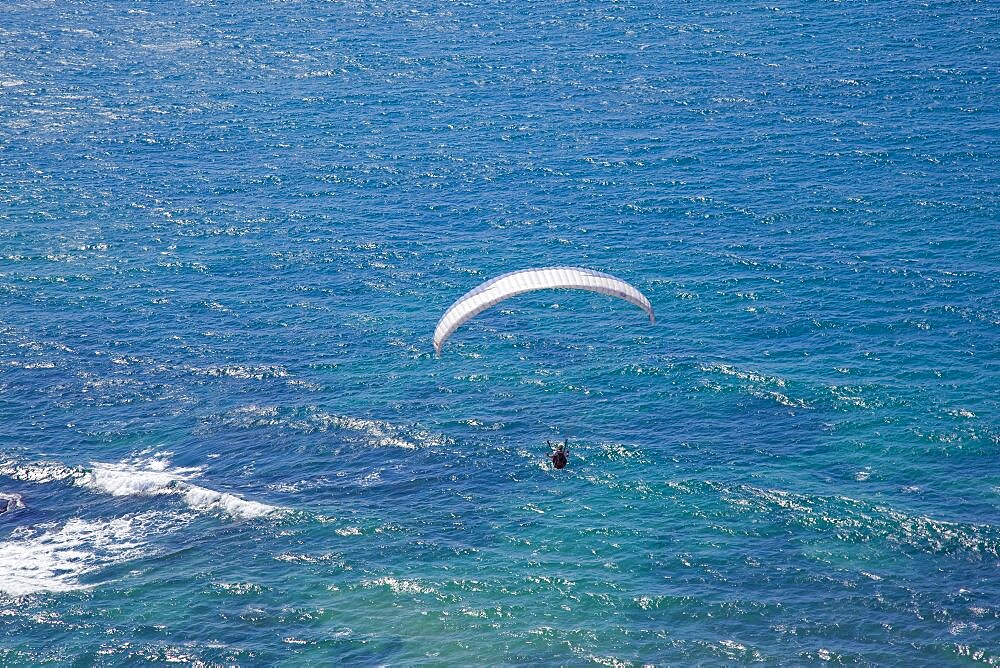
x=228 y=229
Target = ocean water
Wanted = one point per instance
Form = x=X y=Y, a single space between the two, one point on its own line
x=227 y=230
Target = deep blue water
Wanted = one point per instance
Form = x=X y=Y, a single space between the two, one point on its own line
x=228 y=229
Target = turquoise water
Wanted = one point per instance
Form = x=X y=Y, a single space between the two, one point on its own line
x=227 y=231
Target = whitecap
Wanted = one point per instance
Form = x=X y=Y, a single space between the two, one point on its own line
x=242 y=371
x=53 y=557
x=41 y=472
x=150 y=477
x=204 y=499
x=132 y=480
x=398 y=586
x=154 y=479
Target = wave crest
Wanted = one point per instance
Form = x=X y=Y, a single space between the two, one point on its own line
x=143 y=478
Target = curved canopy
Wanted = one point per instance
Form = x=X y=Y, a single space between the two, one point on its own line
x=497 y=289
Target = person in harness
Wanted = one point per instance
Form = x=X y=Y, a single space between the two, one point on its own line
x=558 y=455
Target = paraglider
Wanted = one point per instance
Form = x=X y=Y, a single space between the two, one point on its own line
x=502 y=287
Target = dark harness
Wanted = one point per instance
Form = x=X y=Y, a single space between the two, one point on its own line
x=559 y=459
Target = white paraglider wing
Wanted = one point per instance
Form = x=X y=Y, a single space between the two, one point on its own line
x=497 y=289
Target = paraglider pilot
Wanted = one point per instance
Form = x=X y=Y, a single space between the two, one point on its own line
x=558 y=455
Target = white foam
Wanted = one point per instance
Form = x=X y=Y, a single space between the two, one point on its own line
x=201 y=498
x=50 y=557
x=154 y=478
x=150 y=477
x=53 y=556
x=41 y=472
x=134 y=480
x=254 y=372
x=398 y=586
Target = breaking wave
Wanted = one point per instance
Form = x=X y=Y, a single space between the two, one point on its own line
x=53 y=557
x=151 y=477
